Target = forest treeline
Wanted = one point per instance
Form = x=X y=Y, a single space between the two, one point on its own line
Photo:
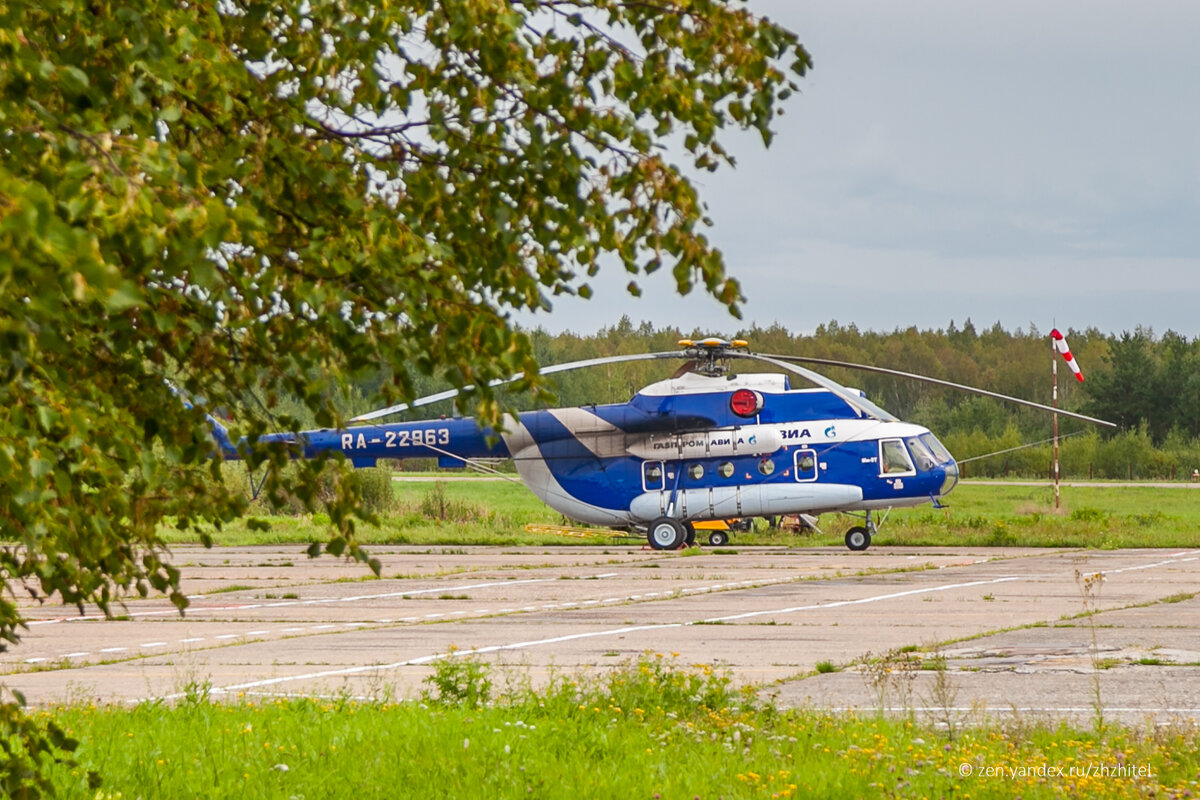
x=1146 y=383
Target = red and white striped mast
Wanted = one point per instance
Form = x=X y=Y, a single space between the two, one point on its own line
x=1059 y=344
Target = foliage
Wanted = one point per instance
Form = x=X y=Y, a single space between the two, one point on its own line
x=29 y=749
x=460 y=680
x=252 y=202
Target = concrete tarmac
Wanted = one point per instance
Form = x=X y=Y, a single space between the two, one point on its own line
x=1007 y=624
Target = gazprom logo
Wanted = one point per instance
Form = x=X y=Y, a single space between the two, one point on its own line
x=753 y=440
x=830 y=432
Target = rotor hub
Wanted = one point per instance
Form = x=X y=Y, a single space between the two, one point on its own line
x=711 y=355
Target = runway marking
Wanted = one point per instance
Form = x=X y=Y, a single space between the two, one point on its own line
x=308 y=602
x=861 y=601
x=1175 y=558
x=346 y=671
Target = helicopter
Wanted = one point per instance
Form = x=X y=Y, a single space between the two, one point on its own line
x=708 y=443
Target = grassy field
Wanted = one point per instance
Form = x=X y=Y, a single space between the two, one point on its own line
x=996 y=514
x=650 y=729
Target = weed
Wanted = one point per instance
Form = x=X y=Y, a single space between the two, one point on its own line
x=1089 y=592
x=942 y=693
x=891 y=675
x=460 y=681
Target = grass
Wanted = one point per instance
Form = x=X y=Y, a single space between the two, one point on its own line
x=646 y=729
x=996 y=514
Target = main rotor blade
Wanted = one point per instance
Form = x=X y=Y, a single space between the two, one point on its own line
x=857 y=401
x=961 y=387
x=567 y=367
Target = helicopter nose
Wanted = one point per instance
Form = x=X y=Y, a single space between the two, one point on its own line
x=951 y=479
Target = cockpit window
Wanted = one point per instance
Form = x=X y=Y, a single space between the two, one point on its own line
x=937 y=448
x=921 y=454
x=893 y=458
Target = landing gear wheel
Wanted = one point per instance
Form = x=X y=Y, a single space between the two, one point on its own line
x=689 y=536
x=666 y=534
x=718 y=538
x=858 y=538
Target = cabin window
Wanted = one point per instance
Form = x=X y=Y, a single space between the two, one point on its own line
x=695 y=471
x=893 y=458
x=806 y=465
x=652 y=476
x=725 y=470
x=766 y=466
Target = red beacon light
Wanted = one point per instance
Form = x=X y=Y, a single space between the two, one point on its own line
x=746 y=402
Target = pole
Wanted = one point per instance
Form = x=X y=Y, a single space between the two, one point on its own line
x=1054 y=397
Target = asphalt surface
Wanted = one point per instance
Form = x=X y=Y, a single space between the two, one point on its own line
x=1007 y=624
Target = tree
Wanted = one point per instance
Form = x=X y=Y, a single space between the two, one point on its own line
x=1126 y=393
x=239 y=201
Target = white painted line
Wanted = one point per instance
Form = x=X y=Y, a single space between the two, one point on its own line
x=323 y=627
x=256 y=633
x=153 y=644
x=622 y=631
x=228 y=636
x=193 y=639
x=77 y=655
x=308 y=602
x=864 y=600
x=34 y=660
x=113 y=650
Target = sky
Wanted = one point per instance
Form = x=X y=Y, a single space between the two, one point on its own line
x=1020 y=162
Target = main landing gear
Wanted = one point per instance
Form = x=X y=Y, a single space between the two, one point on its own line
x=858 y=538
x=666 y=533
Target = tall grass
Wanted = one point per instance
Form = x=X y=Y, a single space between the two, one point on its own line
x=647 y=729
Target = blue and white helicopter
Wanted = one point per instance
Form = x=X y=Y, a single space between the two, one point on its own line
x=709 y=443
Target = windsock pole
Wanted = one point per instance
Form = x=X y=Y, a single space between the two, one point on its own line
x=1054 y=396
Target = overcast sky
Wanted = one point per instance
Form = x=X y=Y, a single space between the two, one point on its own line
x=1017 y=161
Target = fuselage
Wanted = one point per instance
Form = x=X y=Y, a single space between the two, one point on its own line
x=691 y=448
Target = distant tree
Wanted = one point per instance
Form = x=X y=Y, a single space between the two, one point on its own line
x=1127 y=392
x=256 y=199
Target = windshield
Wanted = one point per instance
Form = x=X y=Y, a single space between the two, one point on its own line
x=937 y=448
x=921 y=454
